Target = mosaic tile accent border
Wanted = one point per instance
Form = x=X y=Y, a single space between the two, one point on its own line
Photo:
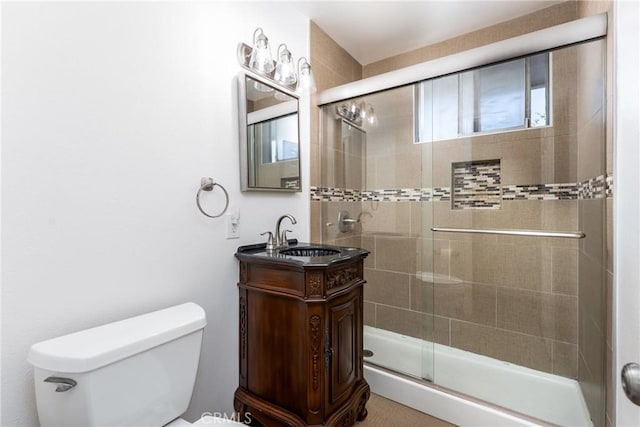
x=332 y=194
x=540 y=192
x=476 y=185
x=589 y=189
x=609 y=186
x=594 y=188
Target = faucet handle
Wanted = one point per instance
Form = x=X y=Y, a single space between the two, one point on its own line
x=271 y=245
x=285 y=242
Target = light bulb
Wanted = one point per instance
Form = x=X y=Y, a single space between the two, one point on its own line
x=285 y=69
x=371 y=116
x=305 y=79
x=261 y=59
x=363 y=109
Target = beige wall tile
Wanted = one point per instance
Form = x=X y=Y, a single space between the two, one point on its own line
x=591 y=148
x=387 y=288
x=421 y=218
x=592 y=382
x=399 y=171
x=592 y=217
x=516 y=214
x=422 y=296
x=326 y=51
x=405 y=322
x=523 y=267
x=565 y=359
x=315 y=221
x=349 y=241
x=442 y=330
x=315 y=176
x=444 y=216
x=560 y=215
x=553 y=15
x=525 y=350
x=369 y=313
x=466 y=301
x=323 y=75
x=369 y=243
x=588 y=8
x=540 y=314
x=330 y=212
x=386 y=217
x=564 y=267
x=565 y=158
x=590 y=79
x=396 y=254
x=591 y=293
x=332 y=173
x=564 y=114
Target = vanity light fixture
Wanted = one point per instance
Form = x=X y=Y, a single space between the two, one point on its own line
x=358 y=112
x=285 y=68
x=282 y=72
x=305 y=82
x=261 y=60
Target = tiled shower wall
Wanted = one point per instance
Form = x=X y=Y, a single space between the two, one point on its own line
x=514 y=298
x=541 y=275
x=332 y=66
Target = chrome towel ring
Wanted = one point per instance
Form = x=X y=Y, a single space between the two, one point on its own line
x=207 y=184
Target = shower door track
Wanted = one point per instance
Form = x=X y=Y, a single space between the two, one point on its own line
x=533 y=233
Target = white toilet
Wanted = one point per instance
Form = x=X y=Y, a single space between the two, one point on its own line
x=135 y=372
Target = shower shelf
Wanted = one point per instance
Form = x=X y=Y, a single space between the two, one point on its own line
x=533 y=233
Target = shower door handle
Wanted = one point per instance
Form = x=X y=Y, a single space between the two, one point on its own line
x=631 y=382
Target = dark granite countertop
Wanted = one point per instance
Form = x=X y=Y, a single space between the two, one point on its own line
x=258 y=252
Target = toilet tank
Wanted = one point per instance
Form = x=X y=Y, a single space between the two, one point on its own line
x=136 y=372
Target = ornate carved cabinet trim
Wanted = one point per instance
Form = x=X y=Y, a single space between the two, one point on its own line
x=316 y=340
x=342 y=276
x=243 y=337
x=314 y=284
x=243 y=272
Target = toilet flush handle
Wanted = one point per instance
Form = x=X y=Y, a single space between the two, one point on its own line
x=64 y=384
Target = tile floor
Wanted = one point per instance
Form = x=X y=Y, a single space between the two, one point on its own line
x=387 y=413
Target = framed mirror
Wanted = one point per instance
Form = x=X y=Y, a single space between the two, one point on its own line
x=269 y=136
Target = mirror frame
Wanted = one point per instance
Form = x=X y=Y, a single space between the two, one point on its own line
x=244 y=138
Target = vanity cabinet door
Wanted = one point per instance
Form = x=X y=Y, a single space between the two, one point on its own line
x=344 y=353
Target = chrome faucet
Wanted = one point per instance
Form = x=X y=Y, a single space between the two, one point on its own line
x=281 y=238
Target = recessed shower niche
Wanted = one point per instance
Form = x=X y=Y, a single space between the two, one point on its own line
x=476 y=185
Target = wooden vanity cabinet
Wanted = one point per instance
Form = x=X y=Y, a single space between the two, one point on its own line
x=300 y=342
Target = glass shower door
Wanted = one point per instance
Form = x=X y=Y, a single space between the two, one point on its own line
x=518 y=199
x=372 y=169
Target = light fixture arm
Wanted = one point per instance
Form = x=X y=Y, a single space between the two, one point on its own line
x=285 y=49
x=255 y=34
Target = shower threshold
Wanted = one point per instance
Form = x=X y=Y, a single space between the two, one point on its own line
x=526 y=391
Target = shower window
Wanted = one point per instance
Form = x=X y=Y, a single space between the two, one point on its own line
x=506 y=96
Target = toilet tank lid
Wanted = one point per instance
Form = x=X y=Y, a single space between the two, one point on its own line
x=94 y=348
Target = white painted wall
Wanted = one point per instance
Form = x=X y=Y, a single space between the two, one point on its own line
x=626 y=209
x=111 y=114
